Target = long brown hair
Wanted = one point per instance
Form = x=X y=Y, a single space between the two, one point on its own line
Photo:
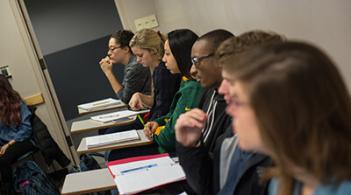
x=303 y=110
x=10 y=102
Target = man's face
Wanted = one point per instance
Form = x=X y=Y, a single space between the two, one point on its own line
x=207 y=71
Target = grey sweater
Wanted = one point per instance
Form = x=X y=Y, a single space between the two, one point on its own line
x=137 y=78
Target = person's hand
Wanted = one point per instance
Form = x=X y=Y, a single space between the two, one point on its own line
x=106 y=65
x=136 y=102
x=3 y=149
x=150 y=128
x=189 y=127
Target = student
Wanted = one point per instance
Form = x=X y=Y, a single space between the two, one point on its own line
x=15 y=131
x=136 y=77
x=177 y=59
x=289 y=101
x=207 y=72
x=210 y=173
x=147 y=45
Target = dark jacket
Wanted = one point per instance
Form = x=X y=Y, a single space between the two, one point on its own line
x=203 y=171
x=165 y=87
x=47 y=146
x=221 y=119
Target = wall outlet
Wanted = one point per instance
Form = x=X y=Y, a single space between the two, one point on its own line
x=5 y=70
x=146 y=22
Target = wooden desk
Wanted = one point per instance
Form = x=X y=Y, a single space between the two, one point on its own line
x=82 y=111
x=89 y=124
x=142 y=141
x=88 y=182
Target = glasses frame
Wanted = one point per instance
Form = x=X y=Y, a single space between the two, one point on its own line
x=197 y=59
x=112 y=49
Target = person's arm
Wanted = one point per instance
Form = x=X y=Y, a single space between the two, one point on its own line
x=166 y=85
x=193 y=156
x=106 y=67
x=136 y=79
x=190 y=96
x=24 y=129
x=140 y=101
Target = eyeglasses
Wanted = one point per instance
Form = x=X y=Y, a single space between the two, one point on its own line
x=113 y=48
x=196 y=60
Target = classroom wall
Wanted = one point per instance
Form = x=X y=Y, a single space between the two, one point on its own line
x=60 y=25
x=17 y=54
x=323 y=22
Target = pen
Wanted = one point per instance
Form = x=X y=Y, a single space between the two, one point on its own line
x=141 y=120
x=138 y=168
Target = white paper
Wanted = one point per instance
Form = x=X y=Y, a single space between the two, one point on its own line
x=100 y=104
x=117 y=115
x=134 y=177
x=112 y=138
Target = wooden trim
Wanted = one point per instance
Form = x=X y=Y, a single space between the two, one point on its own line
x=34 y=100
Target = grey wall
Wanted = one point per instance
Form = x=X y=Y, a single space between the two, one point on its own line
x=66 y=23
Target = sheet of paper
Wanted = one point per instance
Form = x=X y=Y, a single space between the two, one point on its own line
x=141 y=175
x=100 y=104
x=117 y=115
x=112 y=138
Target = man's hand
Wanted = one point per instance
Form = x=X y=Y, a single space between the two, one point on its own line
x=189 y=127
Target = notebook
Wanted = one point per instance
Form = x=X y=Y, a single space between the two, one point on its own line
x=100 y=104
x=117 y=115
x=112 y=138
x=137 y=174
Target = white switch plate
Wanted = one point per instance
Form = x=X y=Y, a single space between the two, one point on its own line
x=146 y=22
x=5 y=70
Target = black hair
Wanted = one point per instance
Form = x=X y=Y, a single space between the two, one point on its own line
x=123 y=38
x=215 y=38
x=180 y=42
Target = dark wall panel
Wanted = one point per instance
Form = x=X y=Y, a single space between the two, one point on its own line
x=77 y=75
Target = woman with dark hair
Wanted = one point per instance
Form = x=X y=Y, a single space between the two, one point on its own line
x=177 y=58
x=15 y=130
x=137 y=78
x=289 y=101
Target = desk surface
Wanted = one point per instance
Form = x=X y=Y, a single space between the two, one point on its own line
x=88 y=182
x=89 y=124
x=142 y=141
x=82 y=111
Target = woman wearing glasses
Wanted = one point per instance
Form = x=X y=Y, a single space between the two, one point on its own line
x=136 y=77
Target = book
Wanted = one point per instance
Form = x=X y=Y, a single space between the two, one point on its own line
x=112 y=138
x=137 y=174
x=117 y=115
x=100 y=104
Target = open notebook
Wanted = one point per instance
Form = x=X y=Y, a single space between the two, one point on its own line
x=117 y=115
x=137 y=174
x=100 y=104
x=112 y=138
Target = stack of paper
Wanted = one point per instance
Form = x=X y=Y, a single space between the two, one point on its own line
x=137 y=174
x=112 y=138
x=117 y=115
x=100 y=104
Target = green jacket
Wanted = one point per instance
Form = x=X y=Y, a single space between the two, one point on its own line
x=187 y=97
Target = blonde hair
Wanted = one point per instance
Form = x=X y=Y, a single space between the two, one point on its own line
x=150 y=40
